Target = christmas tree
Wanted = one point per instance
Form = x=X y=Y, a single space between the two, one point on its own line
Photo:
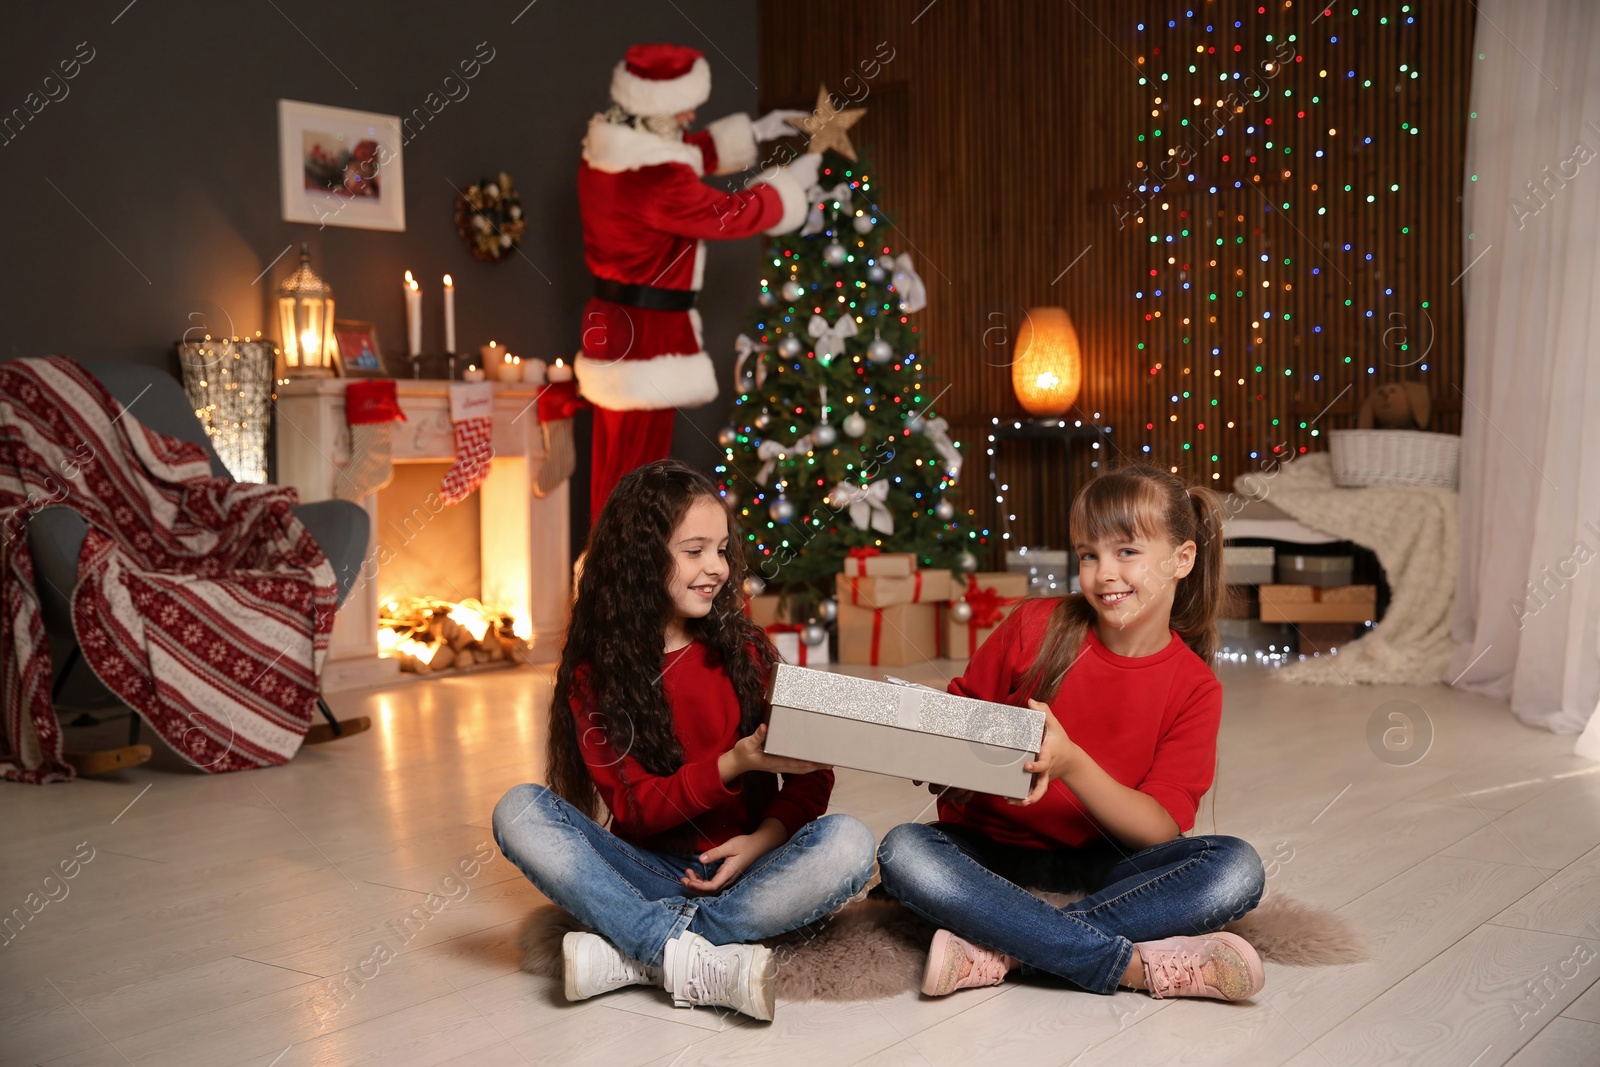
x=835 y=443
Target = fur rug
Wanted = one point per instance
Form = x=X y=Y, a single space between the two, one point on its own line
x=874 y=948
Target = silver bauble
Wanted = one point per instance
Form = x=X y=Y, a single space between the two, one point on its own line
x=827 y=609
x=791 y=346
x=961 y=611
x=792 y=290
x=854 y=424
x=782 y=510
x=813 y=634
x=763 y=420
x=728 y=436
x=833 y=254
x=875 y=273
x=824 y=435
x=880 y=351
x=862 y=224
x=754 y=586
x=767 y=299
x=944 y=511
x=915 y=423
x=967 y=562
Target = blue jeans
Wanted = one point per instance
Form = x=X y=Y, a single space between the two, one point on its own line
x=969 y=885
x=633 y=897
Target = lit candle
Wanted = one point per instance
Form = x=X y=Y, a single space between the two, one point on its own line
x=489 y=354
x=560 y=372
x=413 y=315
x=510 y=368
x=533 y=371
x=449 y=314
x=472 y=373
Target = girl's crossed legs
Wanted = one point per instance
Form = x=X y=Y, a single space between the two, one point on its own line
x=633 y=897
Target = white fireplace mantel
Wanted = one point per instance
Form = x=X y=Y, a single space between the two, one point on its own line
x=524 y=550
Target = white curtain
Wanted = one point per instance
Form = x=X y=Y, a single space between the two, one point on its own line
x=1528 y=603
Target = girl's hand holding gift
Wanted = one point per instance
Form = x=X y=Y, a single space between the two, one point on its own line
x=1058 y=757
x=750 y=754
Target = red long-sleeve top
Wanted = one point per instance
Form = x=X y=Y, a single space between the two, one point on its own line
x=1150 y=721
x=652 y=811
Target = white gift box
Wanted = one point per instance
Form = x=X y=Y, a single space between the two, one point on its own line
x=907 y=731
x=796 y=653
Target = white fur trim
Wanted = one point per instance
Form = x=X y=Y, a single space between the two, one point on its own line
x=641 y=96
x=735 y=141
x=699 y=267
x=611 y=148
x=686 y=381
x=795 y=202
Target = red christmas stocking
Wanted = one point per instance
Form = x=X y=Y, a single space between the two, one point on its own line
x=472 y=416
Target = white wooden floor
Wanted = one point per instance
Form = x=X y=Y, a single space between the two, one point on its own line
x=219 y=916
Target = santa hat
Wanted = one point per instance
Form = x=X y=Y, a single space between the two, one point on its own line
x=661 y=79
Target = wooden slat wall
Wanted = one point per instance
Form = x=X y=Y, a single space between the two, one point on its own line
x=1003 y=134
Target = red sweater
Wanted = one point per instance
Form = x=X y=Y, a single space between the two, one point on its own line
x=705 y=715
x=1151 y=722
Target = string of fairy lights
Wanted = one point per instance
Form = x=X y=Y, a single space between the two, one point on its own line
x=1221 y=119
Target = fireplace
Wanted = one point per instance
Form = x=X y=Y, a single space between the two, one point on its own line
x=505 y=550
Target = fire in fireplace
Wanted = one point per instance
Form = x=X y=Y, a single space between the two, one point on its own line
x=428 y=635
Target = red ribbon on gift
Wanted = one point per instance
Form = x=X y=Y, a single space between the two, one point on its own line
x=371 y=400
x=864 y=553
x=790 y=628
x=986 y=611
x=560 y=400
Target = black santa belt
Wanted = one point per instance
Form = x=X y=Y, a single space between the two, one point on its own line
x=651 y=297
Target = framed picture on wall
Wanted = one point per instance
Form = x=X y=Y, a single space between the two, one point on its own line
x=339 y=167
x=359 y=350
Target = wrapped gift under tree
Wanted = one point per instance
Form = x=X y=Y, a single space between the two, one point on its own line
x=800 y=644
x=990 y=596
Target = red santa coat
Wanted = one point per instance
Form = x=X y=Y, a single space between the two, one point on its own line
x=646 y=217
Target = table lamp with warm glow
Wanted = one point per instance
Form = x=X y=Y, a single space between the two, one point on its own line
x=307 y=348
x=1048 y=369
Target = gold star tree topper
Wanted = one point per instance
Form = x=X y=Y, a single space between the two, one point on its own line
x=828 y=127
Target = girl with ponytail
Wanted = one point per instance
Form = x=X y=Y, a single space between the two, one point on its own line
x=1123 y=673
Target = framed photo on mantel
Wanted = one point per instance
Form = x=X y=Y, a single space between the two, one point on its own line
x=359 y=350
x=339 y=167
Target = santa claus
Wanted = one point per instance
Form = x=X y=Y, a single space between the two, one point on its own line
x=647 y=215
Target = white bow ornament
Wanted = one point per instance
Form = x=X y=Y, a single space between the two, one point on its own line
x=866 y=504
x=908 y=283
x=818 y=196
x=937 y=431
x=830 y=339
x=746 y=347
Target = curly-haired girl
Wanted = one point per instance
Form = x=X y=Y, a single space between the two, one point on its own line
x=659 y=711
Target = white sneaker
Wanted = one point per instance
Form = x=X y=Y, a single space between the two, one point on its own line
x=741 y=977
x=591 y=965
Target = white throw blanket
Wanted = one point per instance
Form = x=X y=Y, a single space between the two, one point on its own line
x=1414 y=534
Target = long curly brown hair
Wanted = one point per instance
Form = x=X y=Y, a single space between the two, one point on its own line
x=615 y=633
x=1140 y=501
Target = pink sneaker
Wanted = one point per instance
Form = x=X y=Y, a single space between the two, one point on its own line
x=1221 y=966
x=955 y=963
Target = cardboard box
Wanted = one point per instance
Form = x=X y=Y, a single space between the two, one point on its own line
x=1321 y=571
x=1305 y=603
x=987 y=592
x=905 y=731
x=889 y=637
x=1247 y=564
x=793 y=651
x=764 y=609
x=880 y=564
x=920 y=587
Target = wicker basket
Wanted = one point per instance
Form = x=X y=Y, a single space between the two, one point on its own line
x=1404 y=458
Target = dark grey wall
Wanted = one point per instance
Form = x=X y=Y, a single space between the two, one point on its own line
x=145 y=199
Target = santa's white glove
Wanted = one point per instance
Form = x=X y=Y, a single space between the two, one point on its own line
x=804 y=169
x=775 y=124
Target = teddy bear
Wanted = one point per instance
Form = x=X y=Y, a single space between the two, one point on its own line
x=1396 y=406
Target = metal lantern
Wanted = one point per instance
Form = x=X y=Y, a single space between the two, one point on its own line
x=1048 y=369
x=305 y=324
